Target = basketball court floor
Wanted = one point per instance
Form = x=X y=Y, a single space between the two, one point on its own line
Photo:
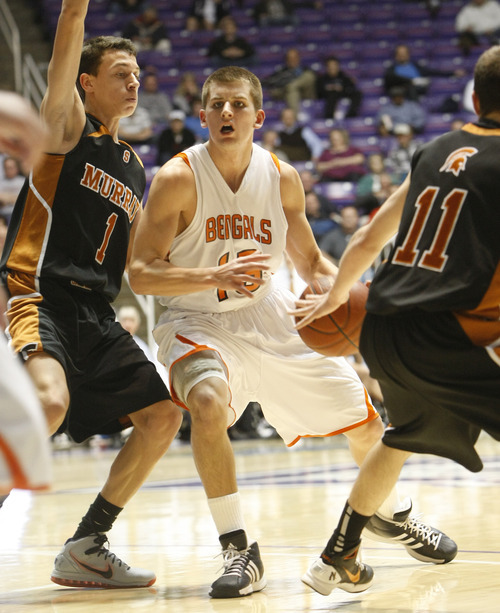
x=292 y=498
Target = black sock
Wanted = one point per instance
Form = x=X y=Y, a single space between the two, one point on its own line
x=99 y=518
x=347 y=534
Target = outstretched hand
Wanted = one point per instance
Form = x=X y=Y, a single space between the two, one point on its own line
x=314 y=306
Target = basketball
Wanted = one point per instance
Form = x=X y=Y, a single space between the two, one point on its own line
x=337 y=334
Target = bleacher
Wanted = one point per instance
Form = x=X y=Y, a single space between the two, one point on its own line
x=362 y=34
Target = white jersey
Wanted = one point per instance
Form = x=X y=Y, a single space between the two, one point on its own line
x=258 y=352
x=25 y=460
x=223 y=229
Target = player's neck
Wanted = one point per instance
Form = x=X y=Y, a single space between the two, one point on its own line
x=232 y=165
x=494 y=116
x=110 y=123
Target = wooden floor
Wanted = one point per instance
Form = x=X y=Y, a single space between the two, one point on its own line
x=292 y=500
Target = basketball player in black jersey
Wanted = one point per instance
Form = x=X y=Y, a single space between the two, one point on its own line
x=66 y=250
x=432 y=330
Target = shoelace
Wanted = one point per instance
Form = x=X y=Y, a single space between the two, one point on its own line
x=426 y=533
x=100 y=540
x=234 y=561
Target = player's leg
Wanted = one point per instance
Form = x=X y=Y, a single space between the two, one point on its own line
x=25 y=460
x=50 y=386
x=116 y=385
x=392 y=522
x=84 y=561
x=49 y=379
x=154 y=429
x=200 y=382
x=338 y=565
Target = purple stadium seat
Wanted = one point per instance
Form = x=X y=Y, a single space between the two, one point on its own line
x=342 y=193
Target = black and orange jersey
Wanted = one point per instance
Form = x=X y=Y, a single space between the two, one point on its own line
x=72 y=219
x=447 y=251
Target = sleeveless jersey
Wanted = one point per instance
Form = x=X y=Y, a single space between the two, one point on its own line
x=72 y=219
x=447 y=251
x=228 y=225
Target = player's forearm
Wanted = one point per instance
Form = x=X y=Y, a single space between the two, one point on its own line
x=162 y=279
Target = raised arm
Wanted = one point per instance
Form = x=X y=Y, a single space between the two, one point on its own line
x=62 y=109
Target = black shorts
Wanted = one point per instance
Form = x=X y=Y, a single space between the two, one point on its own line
x=108 y=374
x=439 y=389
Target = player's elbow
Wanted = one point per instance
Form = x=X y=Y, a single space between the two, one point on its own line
x=137 y=277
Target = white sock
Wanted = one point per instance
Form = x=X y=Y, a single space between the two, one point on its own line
x=226 y=513
x=392 y=504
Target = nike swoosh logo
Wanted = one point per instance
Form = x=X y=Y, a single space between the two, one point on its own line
x=106 y=573
x=354 y=578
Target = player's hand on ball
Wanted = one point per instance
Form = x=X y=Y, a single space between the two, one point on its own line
x=314 y=306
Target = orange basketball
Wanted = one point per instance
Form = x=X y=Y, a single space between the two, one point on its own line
x=337 y=334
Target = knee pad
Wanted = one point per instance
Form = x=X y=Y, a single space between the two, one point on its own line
x=189 y=371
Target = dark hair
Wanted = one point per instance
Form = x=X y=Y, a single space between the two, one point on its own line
x=229 y=74
x=487 y=80
x=93 y=51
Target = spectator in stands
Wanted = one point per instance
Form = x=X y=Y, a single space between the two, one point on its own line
x=274 y=13
x=370 y=182
x=137 y=129
x=207 y=14
x=11 y=182
x=292 y=82
x=130 y=319
x=231 y=49
x=413 y=76
x=192 y=122
x=187 y=90
x=320 y=219
x=151 y=98
x=270 y=141
x=478 y=21
x=126 y=6
x=369 y=203
x=298 y=141
x=400 y=110
x=433 y=6
x=399 y=158
x=333 y=85
x=148 y=31
x=341 y=161
x=335 y=241
x=310 y=184
x=175 y=138
x=457 y=124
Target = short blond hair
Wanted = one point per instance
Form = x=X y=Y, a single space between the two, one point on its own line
x=230 y=74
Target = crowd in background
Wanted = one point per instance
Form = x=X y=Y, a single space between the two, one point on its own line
x=312 y=109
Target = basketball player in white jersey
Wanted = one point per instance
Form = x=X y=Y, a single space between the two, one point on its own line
x=24 y=448
x=219 y=217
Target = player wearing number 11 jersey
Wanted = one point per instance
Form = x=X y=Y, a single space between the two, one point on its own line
x=432 y=332
x=434 y=306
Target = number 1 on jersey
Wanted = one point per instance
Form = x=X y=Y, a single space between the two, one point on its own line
x=110 y=225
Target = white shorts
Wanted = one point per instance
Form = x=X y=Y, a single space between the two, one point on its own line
x=301 y=393
x=25 y=460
